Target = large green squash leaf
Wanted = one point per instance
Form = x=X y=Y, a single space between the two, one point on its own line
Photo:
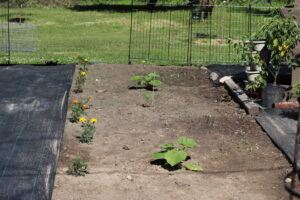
x=155 y=83
x=174 y=157
x=193 y=166
x=159 y=155
x=187 y=142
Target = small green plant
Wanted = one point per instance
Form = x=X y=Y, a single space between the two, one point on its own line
x=77 y=110
x=149 y=97
x=78 y=167
x=82 y=74
x=83 y=62
x=80 y=81
x=149 y=81
x=89 y=129
x=296 y=89
x=175 y=155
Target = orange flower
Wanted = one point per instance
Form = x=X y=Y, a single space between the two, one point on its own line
x=85 y=106
x=75 y=101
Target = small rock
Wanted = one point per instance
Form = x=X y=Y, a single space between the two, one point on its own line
x=288 y=180
x=126 y=147
x=129 y=177
x=100 y=91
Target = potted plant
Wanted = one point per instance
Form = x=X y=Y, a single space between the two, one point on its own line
x=282 y=35
x=255 y=87
x=250 y=59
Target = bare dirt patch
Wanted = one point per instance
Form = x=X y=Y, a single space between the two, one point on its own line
x=239 y=160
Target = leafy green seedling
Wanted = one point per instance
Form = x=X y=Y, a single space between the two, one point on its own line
x=149 y=97
x=149 y=81
x=175 y=155
x=78 y=167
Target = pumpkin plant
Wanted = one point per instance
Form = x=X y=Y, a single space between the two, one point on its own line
x=149 y=81
x=176 y=154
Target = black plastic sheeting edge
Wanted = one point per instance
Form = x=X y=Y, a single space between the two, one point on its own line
x=281 y=127
x=33 y=107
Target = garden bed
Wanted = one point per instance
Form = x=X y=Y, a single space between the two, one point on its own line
x=239 y=160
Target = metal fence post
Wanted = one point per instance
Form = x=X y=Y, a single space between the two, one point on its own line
x=130 y=34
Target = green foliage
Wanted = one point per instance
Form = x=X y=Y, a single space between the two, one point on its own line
x=149 y=81
x=176 y=154
x=187 y=142
x=81 y=78
x=88 y=133
x=78 y=167
x=192 y=166
x=255 y=2
x=296 y=89
x=149 y=97
x=259 y=83
x=53 y=61
x=282 y=35
x=83 y=61
x=77 y=111
x=249 y=56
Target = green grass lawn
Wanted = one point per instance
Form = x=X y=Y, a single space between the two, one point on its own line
x=64 y=34
x=103 y=36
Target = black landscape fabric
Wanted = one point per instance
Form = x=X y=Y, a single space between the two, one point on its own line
x=33 y=106
x=281 y=126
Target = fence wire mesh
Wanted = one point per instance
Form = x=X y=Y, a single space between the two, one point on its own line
x=4 y=28
x=162 y=34
x=194 y=34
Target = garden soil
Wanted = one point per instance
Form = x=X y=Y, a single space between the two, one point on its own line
x=240 y=162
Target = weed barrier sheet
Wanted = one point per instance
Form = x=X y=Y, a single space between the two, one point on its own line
x=33 y=107
x=281 y=126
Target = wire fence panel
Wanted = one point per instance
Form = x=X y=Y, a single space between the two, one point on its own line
x=4 y=34
x=195 y=34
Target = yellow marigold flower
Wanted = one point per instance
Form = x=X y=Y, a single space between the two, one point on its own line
x=82 y=73
x=93 y=120
x=82 y=119
x=74 y=101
